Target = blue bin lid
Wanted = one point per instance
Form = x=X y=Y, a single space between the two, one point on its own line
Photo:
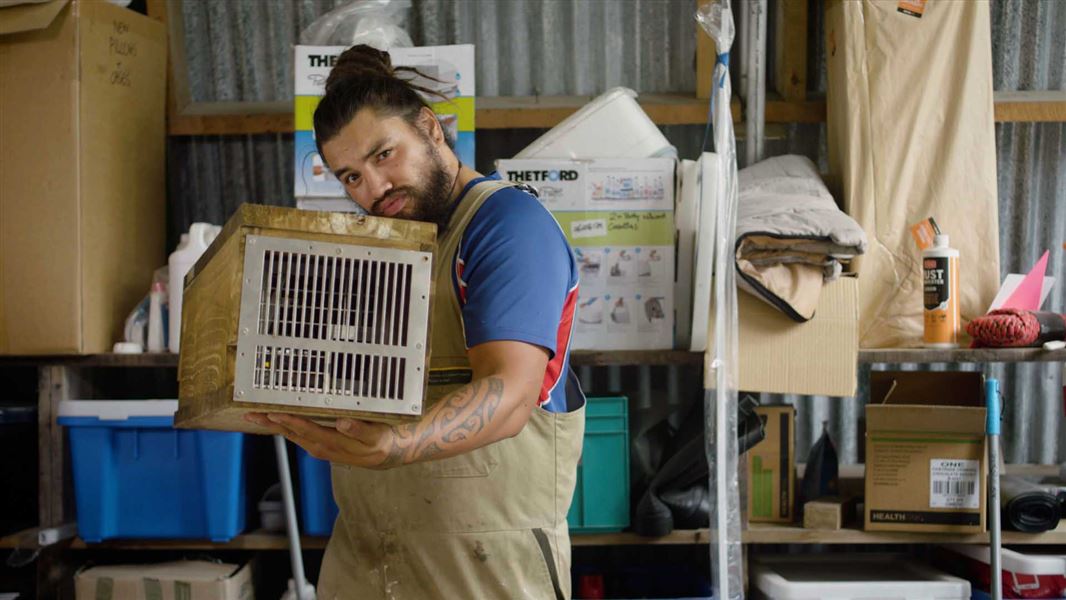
x=117 y=413
x=14 y=415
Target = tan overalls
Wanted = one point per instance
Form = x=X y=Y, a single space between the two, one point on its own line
x=486 y=524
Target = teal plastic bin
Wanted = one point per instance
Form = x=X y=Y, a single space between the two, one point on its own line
x=601 y=496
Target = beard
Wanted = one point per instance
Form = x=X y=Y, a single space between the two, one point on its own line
x=429 y=200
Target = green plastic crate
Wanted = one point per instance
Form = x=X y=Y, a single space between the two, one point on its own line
x=601 y=496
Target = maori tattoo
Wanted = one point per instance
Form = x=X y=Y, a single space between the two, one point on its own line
x=457 y=418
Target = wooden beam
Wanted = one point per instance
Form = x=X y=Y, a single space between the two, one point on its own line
x=790 y=49
x=542 y=112
x=1044 y=106
x=54 y=501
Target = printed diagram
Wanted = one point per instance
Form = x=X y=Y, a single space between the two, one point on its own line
x=620 y=312
x=649 y=264
x=588 y=263
x=653 y=310
x=621 y=265
x=629 y=187
x=590 y=312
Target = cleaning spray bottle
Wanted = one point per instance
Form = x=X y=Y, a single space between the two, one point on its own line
x=940 y=278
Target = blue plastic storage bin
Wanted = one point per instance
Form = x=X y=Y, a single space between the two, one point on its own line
x=318 y=511
x=136 y=476
x=601 y=496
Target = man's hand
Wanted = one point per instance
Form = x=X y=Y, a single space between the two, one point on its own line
x=352 y=442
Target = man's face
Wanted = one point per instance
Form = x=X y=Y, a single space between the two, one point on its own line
x=391 y=168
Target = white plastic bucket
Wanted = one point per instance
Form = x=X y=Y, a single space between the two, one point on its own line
x=611 y=126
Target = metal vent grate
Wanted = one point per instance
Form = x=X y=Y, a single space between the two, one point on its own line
x=334 y=298
x=333 y=325
x=334 y=373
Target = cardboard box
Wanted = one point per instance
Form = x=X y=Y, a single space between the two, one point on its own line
x=82 y=172
x=453 y=65
x=772 y=468
x=926 y=462
x=183 y=580
x=778 y=355
x=618 y=215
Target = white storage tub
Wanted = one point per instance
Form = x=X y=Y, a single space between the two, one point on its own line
x=852 y=577
x=613 y=125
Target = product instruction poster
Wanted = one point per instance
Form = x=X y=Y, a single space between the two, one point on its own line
x=619 y=217
x=451 y=69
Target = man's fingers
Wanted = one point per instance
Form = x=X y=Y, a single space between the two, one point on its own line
x=261 y=420
x=297 y=424
x=354 y=429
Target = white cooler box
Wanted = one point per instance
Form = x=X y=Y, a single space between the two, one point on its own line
x=852 y=577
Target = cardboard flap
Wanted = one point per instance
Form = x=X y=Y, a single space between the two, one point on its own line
x=779 y=355
x=933 y=388
x=968 y=421
x=29 y=17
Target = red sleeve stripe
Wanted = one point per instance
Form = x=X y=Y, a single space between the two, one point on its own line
x=459 y=264
x=554 y=373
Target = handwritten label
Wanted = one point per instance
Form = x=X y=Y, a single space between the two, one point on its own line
x=624 y=221
x=119 y=44
x=588 y=228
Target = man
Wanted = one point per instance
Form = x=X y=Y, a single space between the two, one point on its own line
x=471 y=500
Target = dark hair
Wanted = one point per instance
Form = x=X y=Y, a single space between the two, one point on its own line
x=363 y=77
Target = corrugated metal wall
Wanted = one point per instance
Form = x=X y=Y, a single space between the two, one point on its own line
x=241 y=50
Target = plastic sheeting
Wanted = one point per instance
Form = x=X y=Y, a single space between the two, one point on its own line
x=721 y=375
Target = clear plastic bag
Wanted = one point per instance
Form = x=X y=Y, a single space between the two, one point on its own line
x=377 y=23
x=716 y=18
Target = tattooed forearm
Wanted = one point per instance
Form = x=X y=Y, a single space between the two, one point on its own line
x=457 y=418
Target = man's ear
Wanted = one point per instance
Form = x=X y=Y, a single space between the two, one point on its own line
x=428 y=123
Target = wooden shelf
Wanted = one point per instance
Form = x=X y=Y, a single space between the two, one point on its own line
x=260 y=540
x=757 y=533
x=593 y=358
x=542 y=112
x=961 y=355
x=144 y=359
x=626 y=538
x=767 y=533
x=256 y=540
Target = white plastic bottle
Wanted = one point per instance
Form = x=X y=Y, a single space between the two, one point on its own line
x=940 y=275
x=155 y=317
x=181 y=260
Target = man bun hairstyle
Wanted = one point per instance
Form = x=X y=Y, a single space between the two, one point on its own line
x=363 y=77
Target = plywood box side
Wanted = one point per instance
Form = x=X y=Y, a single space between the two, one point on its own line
x=210 y=322
x=39 y=282
x=122 y=165
x=210 y=310
x=230 y=416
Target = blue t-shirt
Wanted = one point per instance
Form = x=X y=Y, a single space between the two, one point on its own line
x=516 y=279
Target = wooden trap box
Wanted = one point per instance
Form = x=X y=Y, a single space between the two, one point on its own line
x=308 y=313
